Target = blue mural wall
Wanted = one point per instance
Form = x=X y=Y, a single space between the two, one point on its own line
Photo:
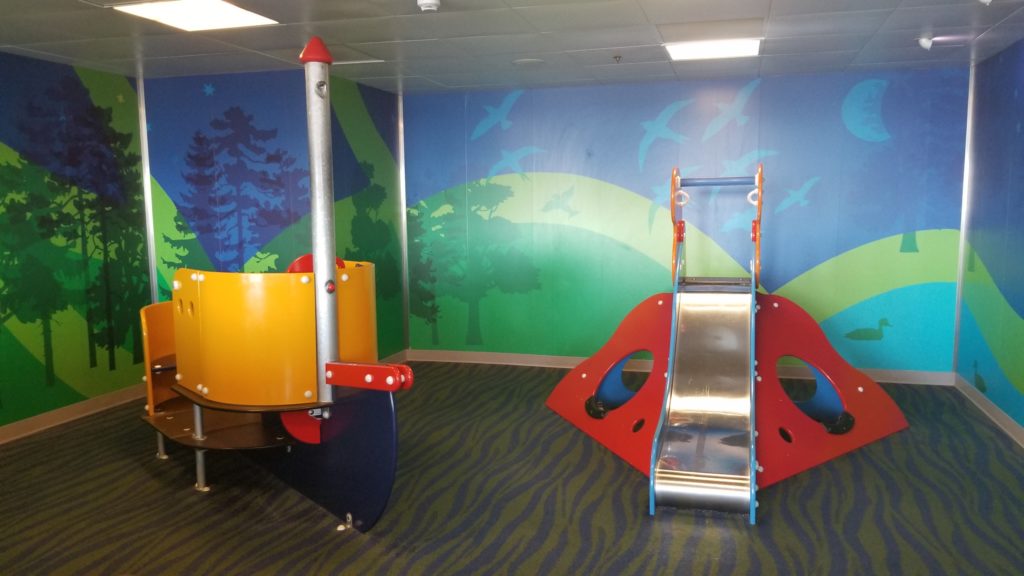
x=539 y=218
x=992 y=329
x=230 y=167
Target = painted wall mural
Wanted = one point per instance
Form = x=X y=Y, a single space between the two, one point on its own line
x=229 y=159
x=72 y=236
x=538 y=219
x=991 y=324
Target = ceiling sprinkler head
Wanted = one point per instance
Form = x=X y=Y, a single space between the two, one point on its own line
x=925 y=42
x=428 y=5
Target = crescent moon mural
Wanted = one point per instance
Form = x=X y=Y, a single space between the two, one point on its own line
x=862 y=111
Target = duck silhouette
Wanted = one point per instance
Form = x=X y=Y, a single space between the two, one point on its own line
x=869 y=333
x=979 y=382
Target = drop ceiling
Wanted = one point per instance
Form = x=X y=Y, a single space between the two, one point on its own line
x=480 y=44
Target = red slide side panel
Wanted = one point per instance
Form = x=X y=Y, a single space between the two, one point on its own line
x=628 y=431
x=788 y=440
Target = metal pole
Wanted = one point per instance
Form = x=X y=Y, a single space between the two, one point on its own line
x=317 y=59
x=198 y=434
x=147 y=186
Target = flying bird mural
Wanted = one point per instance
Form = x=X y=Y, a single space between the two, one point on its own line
x=496 y=116
x=658 y=129
x=732 y=111
x=798 y=196
x=510 y=160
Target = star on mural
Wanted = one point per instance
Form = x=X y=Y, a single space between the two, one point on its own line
x=208 y=89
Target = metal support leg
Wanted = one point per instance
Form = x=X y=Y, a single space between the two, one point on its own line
x=161 y=452
x=197 y=433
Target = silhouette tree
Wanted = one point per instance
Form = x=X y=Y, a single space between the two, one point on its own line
x=97 y=188
x=422 y=279
x=239 y=194
x=373 y=239
x=483 y=252
x=30 y=284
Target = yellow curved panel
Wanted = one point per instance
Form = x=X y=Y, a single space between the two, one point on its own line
x=250 y=339
x=357 y=313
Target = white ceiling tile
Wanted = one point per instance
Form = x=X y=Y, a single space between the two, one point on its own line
x=507 y=43
x=814 y=44
x=606 y=37
x=673 y=11
x=806 y=63
x=925 y=18
x=643 y=71
x=626 y=55
x=802 y=7
x=456 y=24
x=411 y=50
x=583 y=16
x=827 y=24
x=748 y=28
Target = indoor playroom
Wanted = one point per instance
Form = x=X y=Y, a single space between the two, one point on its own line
x=512 y=287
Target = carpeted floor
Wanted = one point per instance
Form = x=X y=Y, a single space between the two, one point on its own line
x=491 y=482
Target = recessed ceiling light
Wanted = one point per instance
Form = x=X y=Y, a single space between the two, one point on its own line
x=193 y=15
x=712 y=49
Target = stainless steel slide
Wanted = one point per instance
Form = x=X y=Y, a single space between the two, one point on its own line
x=703 y=447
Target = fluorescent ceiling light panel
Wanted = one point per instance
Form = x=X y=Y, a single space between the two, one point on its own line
x=193 y=15
x=713 y=49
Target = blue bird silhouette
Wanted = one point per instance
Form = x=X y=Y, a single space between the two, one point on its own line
x=732 y=111
x=658 y=129
x=496 y=116
x=798 y=196
x=562 y=202
x=744 y=165
x=510 y=160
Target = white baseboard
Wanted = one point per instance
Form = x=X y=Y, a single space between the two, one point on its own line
x=1001 y=419
x=31 y=425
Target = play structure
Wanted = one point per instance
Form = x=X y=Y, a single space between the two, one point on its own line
x=283 y=362
x=712 y=423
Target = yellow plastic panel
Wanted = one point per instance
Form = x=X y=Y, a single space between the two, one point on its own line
x=258 y=338
x=357 y=313
x=157 y=342
x=185 y=301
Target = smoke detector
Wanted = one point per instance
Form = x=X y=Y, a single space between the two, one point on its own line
x=428 y=5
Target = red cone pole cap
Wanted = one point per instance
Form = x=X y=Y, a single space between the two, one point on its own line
x=316 y=51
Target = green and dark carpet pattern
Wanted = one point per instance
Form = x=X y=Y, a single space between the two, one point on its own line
x=491 y=482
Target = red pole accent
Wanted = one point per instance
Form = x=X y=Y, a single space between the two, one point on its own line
x=316 y=51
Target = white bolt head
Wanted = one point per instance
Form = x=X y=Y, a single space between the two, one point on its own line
x=757 y=307
x=860 y=388
x=177 y=377
x=329 y=374
x=308 y=394
x=390 y=380
x=206 y=389
x=194 y=276
x=584 y=375
x=368 y=378
x=344 y=277
x=775 y=304
x=199 y=387
x=305 y=280
x=659 y=302
x=760 y=468
x=758 y=378
x=177 y=285
x=202 y=277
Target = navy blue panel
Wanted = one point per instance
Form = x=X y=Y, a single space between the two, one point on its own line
x=383 y=109
x=353 y=469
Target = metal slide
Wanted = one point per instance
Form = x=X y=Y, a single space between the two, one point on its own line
x=703 y=452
